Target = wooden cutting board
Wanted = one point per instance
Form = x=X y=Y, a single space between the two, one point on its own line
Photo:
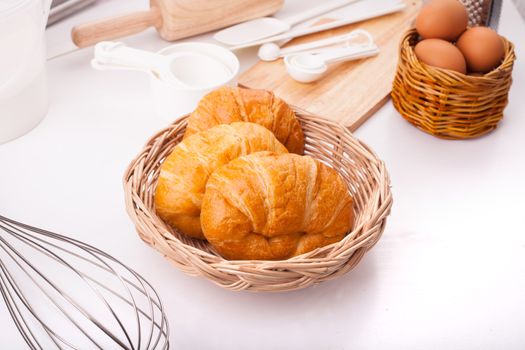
x=350 y=92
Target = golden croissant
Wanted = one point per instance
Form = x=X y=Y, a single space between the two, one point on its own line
x=184 y=173
x=226 y=105
x=274 y=206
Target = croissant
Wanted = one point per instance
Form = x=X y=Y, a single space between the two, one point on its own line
x=226 y=105
x=184 y=173
x=274 y=206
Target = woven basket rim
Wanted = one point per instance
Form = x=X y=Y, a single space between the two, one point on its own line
x=407 y=46
x=312 y=259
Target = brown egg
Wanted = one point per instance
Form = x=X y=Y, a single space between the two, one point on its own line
x=440 y=53
x=482 y=48
x=442 y=19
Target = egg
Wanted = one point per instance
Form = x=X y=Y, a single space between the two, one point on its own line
x=440 y=53
x=482 y=48
x=442 y=19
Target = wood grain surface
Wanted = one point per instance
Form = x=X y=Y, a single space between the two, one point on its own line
x=175 y=19
x=350 y=92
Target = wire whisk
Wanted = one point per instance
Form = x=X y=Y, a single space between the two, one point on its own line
x=65 y=294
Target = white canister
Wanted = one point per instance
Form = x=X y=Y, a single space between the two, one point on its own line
x=23 y=86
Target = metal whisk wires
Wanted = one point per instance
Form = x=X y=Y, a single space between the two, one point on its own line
x=65 y=294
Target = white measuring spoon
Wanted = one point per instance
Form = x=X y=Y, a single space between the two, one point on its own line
x=264 y=27
x=307 y=67
x=169 y=68
x=272 y=51
x=358 y=16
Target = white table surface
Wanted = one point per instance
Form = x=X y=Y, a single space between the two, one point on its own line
x=449 y=272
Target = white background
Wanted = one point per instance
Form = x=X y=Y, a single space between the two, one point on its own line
x=449 y=272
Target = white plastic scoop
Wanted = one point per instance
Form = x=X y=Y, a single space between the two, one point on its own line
x=175 y=68
x=264 y=27
x=307 y=67
x=272 y=51
x=180 y=74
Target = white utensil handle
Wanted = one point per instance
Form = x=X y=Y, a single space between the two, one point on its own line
x=329 y=41
x=319 y=28
x=315 y=11
x=316 y=44
x=115 y=55
x=350 y=53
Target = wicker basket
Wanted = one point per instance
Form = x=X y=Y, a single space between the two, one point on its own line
x=330 y=143
x=447 y=104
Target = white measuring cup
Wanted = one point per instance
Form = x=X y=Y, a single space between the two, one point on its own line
x=308 y=67
x=180 y=74
x=115 y=55
x=23 y=85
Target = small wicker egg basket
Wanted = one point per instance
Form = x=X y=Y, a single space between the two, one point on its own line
x=332 y=144
x=447 y=104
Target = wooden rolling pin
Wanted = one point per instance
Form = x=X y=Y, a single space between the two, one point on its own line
x=175 y=19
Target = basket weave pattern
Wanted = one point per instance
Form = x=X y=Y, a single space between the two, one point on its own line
x=326 y=141
x=447 y=104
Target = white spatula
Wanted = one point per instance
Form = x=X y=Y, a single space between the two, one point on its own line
x=371 y=9
x=264 y=27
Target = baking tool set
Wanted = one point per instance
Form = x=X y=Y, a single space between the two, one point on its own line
x=176 y=95
x=349 y=92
